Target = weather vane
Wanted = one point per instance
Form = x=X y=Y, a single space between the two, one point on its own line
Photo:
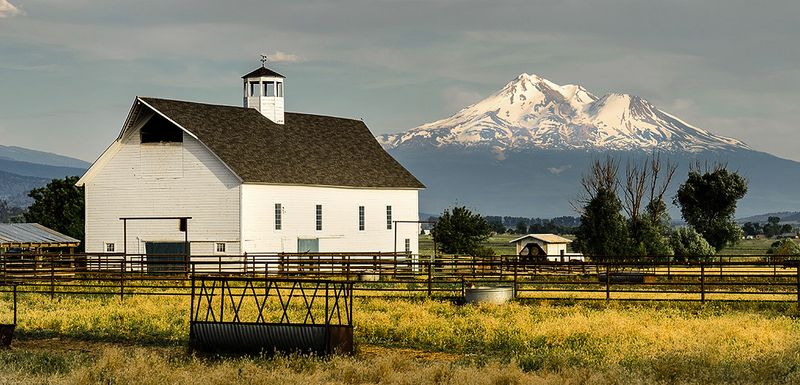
x=263 y=60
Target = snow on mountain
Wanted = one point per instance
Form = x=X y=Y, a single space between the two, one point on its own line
x=531 y=112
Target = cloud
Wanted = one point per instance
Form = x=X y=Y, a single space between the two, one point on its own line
x=283 y=57
x=7 y=9
x=456 y=98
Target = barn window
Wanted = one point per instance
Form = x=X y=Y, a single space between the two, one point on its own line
x=160 y=130
x=319 y=217
x=278 y=216
x=360 y=218
x=220 y=247
x=408 y=245
x=279 y=89
x=110 y=247
x=388 y=217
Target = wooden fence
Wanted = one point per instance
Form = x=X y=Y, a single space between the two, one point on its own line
x=723 y=278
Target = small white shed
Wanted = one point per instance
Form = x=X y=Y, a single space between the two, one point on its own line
x=550 y=245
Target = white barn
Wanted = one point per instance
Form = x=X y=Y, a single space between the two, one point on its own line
x=253 y=179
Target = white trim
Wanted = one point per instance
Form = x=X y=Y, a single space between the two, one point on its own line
x=332 y=186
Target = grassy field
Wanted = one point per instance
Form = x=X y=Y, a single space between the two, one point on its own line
x=142 y=340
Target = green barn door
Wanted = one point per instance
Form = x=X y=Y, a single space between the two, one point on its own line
x=167 y=257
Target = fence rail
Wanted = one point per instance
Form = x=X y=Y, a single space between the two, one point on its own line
x=723 y=278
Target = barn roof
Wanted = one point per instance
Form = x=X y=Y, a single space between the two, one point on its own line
x=33 y=234
x=546 y=238
x=307 y=149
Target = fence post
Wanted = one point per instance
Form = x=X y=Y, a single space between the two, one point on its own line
x=798 y=281
x=122 y=278
x=608 y=282
x=430 y=278
x=702 y=282
x=15 y=303
x=52 y=278
x=516 y=264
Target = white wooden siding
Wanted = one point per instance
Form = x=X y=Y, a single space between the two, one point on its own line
x=339 y=218
x=176 y=179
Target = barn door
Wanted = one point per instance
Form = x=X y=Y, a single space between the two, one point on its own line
x=167 y=257
x=308 y=245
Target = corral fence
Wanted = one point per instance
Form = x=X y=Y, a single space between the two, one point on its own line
x=721 y=278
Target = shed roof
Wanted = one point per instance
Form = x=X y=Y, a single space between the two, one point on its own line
x=307 y=149
x=546 y=238
x=33 y=234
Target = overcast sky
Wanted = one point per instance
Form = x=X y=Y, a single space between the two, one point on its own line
x=69 y=70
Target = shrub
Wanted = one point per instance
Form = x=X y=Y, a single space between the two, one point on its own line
x=688 y=244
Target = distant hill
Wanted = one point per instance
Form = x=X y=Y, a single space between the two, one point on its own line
x=14 y=188
x=785 y=216
x=22 y=169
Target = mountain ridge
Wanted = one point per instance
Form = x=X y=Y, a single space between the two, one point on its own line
x=531 y=112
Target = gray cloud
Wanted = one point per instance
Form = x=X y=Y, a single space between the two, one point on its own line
x=729 y=66
x=7 y=9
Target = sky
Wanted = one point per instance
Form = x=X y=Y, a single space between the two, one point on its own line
x=70 y=70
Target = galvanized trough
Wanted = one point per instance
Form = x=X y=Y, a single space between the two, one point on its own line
x=312 y=316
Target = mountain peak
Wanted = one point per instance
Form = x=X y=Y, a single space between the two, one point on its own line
x=531 y=112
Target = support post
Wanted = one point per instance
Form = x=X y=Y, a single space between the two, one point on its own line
x=797 y=267
x=52 y=278
x=516 y=264
x=702 y=282
x=430 y=278
x=608 y=282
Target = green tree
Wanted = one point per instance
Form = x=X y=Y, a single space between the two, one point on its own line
x=59 y=206
x=708 y=203
x=772 y=227
x=522 y=227
x=688 y=244
x=460 y=231
x=784 y=247
x=603 y=230
x=496 y=224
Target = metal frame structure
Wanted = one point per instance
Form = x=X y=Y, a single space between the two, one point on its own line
x=255 y=315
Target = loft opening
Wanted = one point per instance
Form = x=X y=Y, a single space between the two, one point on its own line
x=266 y=88
x=160 y=130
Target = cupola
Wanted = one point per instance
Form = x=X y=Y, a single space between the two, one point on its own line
x=263 y=90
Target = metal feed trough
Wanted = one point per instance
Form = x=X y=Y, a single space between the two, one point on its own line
x=7 y=330
x=264 y=315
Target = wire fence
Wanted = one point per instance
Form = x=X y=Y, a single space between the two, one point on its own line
x=720 y=278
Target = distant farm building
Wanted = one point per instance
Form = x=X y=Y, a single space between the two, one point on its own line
x=251 y=179
x=33 y=237
x=551 y=246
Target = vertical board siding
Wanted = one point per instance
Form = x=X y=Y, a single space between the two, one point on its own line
x=339 y=218
x=175 y=179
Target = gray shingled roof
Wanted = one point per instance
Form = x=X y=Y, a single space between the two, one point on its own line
x=262 y=71
x=306 y=149
x=32 y=233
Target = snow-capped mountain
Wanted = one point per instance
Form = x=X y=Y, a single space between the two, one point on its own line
x=534 y=113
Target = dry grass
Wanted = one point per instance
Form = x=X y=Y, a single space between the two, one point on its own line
x=515 y=343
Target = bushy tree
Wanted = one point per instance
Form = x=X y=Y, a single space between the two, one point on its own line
x=59 y=206
x=496 y=224
x=603 y=230
x=648 y=239
x=784 y=247
x=688 y=244
x=460 y=231
x=708 y=203
x=521 y=228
